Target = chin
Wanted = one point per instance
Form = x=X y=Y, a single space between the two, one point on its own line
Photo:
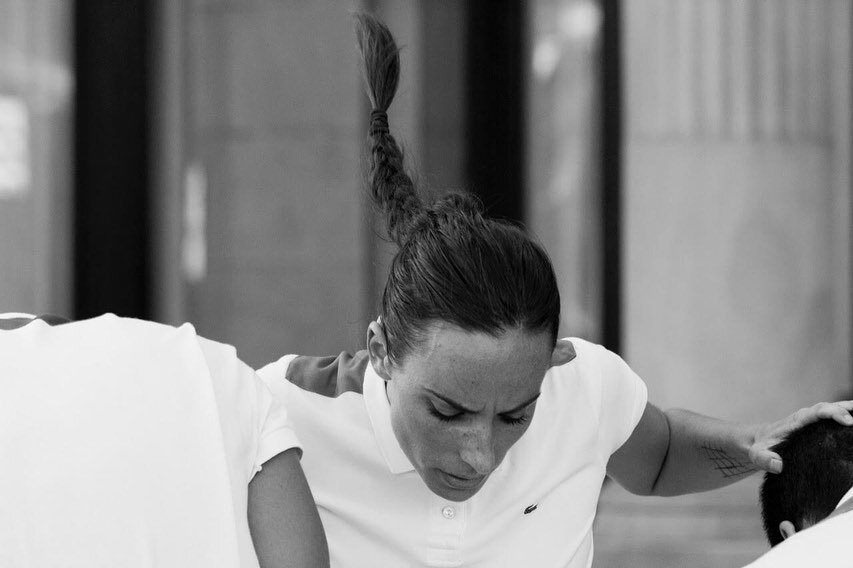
x=455 y=495
x=445 y=491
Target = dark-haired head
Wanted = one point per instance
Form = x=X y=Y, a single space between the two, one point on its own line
x=455 y=264
x=818 y=471
x=469 y=313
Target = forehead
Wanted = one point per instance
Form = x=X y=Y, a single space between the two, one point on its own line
x=476 y=368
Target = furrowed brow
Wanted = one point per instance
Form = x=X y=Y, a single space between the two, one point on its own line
x=523 y=405
x=449 y=402
x=461 y=408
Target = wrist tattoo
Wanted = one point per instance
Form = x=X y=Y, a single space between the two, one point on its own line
x=727 y=465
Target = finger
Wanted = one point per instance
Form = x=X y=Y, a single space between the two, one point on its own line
x=842 y=416
x=845 y=404
x=835 y=411
x=820 y=411
x=775 y=463
x=766 y=460
x=802 y=417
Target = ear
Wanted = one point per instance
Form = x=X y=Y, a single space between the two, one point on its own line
x=787 y=529
x=377 y=348
x=563 y=352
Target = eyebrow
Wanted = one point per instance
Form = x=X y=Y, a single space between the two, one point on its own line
x=523 y=405
x=462 y=408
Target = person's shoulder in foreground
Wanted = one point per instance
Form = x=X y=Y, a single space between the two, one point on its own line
x=826 y=543
x=150 y=437
x=808 y=508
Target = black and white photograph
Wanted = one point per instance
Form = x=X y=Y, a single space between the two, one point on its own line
x=426 y=283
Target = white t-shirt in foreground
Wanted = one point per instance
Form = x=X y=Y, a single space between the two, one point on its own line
x=129 y=443
x=825 y=544
x=536 y=509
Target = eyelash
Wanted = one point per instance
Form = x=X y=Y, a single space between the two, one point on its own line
x=514 y=421
x=450 y=418
x=443 y=417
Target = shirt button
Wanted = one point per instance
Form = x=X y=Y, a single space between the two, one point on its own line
x=448 y=512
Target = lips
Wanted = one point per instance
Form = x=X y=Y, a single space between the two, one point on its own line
x=459 y=482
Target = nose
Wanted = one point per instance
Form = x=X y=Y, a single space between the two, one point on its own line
x=478 y=450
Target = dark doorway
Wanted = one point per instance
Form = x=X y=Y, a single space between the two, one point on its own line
x=111 y=157
x=494 y=105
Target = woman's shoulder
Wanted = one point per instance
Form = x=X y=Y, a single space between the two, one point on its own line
x=572 y=353
x=572 y=368
x=579 y=363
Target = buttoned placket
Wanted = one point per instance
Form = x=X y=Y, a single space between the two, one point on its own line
x=446 y=520
x=446 y=525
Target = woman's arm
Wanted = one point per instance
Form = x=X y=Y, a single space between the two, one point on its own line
x=678 y=451
x=283 y=518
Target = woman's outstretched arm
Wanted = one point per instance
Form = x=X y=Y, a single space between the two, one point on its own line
x=678 y=451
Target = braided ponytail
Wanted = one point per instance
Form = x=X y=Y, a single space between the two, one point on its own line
x=390 y=186
x=455 y=265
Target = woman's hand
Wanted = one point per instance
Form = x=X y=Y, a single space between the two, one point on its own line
x=768 y=435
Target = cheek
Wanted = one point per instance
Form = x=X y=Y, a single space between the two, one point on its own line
x=421 y=435
x=505 y=437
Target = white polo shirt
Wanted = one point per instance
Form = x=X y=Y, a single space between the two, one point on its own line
x=825 y=544
x=536 y=509
x=129 y=443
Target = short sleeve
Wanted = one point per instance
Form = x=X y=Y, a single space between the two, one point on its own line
x=277 y=428
x=276 y=433
x=274 y=376
x=255 y=426
x=623 y=400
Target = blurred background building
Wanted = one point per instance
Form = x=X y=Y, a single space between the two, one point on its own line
x=687 y=165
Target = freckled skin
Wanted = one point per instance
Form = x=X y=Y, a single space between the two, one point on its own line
x=490 y=376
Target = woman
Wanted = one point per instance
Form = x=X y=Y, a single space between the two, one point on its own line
x=467 y=434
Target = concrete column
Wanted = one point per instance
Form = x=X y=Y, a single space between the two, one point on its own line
x=738 y=275
x=274 y=133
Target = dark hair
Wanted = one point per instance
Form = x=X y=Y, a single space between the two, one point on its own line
x=817 y=471
x=454 y=264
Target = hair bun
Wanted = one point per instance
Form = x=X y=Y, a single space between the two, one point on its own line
x=446 y=213
x=456 y=203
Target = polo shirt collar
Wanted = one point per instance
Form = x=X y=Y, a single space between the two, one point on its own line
x=379 y=412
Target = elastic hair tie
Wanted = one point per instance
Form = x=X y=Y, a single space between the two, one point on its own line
x=378 y=122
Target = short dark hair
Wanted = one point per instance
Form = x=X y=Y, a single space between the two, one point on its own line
x=454 y=264
x=817 y=471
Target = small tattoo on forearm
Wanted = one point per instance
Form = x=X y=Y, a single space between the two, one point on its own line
x=724 y=463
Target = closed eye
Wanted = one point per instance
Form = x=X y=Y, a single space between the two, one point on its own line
x=444 y=417
x=514 y=420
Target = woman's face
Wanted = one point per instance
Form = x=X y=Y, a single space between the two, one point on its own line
x=461 y=401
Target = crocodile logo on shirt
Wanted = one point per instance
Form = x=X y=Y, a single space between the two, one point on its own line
x=531 y=508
